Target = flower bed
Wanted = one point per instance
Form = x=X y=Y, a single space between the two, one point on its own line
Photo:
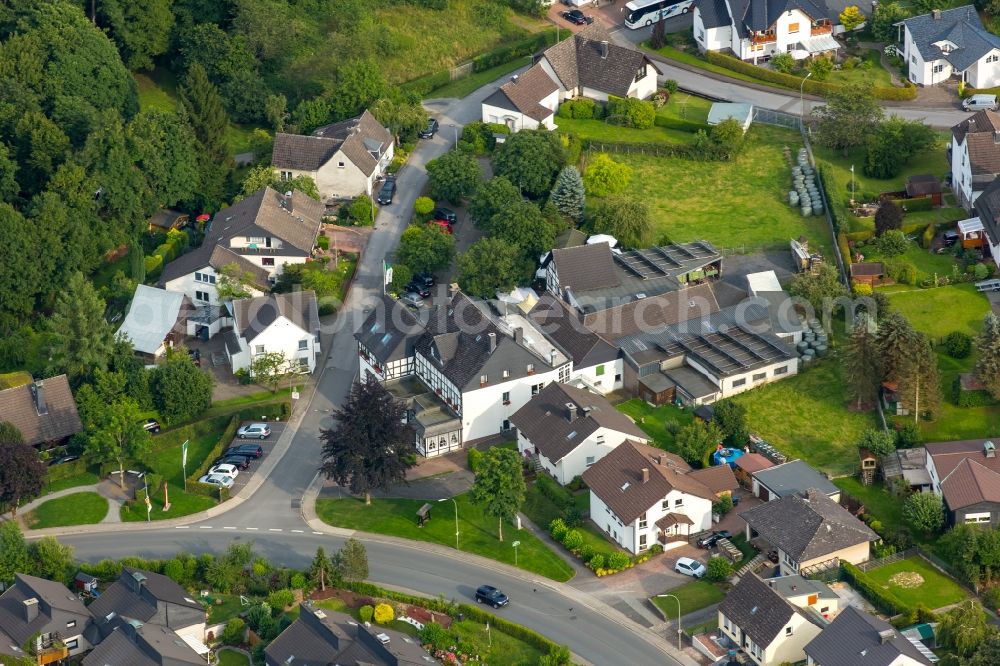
x=601 y=563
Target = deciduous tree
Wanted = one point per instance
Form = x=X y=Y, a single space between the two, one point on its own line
x=369 y=447
x=888 y=217
x=165 y=150
x=530 y=159
x=988 y=652
x=695 y=439
x=22 y=474
x=893 y=143
x=140 y=29
x=453 y=176
x=605 y=177
x=850 y=116
x=426 y=248
x=13 y=551
x=818 y=288
x=9 y=433
x=988 y=349
x=568 y=193
x=883 y=21
x=269 y=369
x=357 y=84
x=524 y=227
x=924 y=511
x=181 y=391
x=51 y=559
x=490 y=265
x=878 y=441
x=493 y=196
x=113 y=430
x=851 y=18
x=626 y=219
x=81 y=337
x=499 y=486
x=731 y=418
x=963 y=628
x=353 y=561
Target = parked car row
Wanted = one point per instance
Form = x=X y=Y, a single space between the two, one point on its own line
x=227 y=467
x=417 y=290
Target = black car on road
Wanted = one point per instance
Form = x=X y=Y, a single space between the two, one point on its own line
x=239 y=462
x=714 y=538
x=576 y=17
x=250 y=450
x=487 y=594
x=418 y=288
x=388 y=191
x=431 y=129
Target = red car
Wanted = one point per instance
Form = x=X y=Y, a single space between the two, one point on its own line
x=445 y=227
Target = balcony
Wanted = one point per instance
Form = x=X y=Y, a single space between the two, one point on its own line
x=767 y=38
x=49 y=648
x=821 y=30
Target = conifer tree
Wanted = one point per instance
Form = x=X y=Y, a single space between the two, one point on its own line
x=988 y=346
x=202 y=107
x=568 y=193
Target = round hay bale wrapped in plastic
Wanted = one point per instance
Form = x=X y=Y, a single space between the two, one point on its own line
x=806 y=360
x=806 y=212
x=802 y=346
x=793 y=198
x=821 y=350
x=817 y=207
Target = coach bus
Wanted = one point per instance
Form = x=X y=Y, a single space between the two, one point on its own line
x=641 y=13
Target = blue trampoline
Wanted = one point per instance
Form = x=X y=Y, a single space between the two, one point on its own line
x=726 y=456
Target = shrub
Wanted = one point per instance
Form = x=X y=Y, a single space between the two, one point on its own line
x=820 y=67
x=323 y=242
x=279 y=600
x=586 y=553
x=783 y=62
x=958 y=344
x=723 y=505
x=981 y=271
x=903 y=272
x=862 y=289
x=618 y=560
x=596 y=562
x=992 y=597
x=583 y=109
x=892 y=243
x=656 y=549
x=365 y=613
x=558 y=529
x=298 y=582
x=384 y=614
x=475 y=459
x=434 y=634
x=632 y=112
x=572 y=539
x=234 y=631
x=423 y=206
x=605 y=177
x=671 y=86
x=361 y=211
x=927 y=237
x=907 y=435
x=719 y=569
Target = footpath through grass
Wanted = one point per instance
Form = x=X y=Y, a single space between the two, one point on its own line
x=693 y=596
x=477 y=532
x=82 y=508
x=934 y=591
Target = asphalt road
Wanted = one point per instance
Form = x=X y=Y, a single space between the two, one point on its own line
x=271 y=518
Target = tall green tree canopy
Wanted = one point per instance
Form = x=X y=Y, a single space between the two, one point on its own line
x=493 y=196
x=140 y=29
x=491 y=265
x=862 y=363
x=202 y=108
x=624 y=218
x=850 y=116
x=568 y=193
x=82 y=341
x=425 y=248
x=22 y=475
x=370 y=447
x=499 y=486
x=453 y=176
x=181 y=391
x=13 y=551
x=530 y=159
x=524 y=227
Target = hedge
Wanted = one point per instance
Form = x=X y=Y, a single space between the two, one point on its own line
x=679 y=124
x=845 y=248
x=971 y=398
x=927 y=238
x=220 y=446
x=206 y=490
x=915 y=205
x=685 y=151
x=66 y=470
x=153 y=266
x=522 y=633
x=426 y=84
x=504 y=54
x=794 y=82
x=860 y=236
x=882 y=599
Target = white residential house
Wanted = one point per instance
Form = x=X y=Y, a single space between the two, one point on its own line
x=569 y=429
x=586 y=64
x=769 y=628
x=343 y=159
x=755 y=30
x=987 y=209
x=952 y=42
x=640 y=496
x=286 y=324
x=974 y=155
x=259 y=234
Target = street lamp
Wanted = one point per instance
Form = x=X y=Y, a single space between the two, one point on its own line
x=678 y=617
x=852 y=184
x=802 y=99
x=515 y=544
x=445 y=499
x=454 y=128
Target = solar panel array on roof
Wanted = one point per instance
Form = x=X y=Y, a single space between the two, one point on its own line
x=733 y=351
x=667 y=261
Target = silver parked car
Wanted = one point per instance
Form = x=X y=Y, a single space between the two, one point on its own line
x=254 y=431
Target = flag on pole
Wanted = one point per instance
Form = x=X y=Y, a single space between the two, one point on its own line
x=184 y=453
x=149 y=504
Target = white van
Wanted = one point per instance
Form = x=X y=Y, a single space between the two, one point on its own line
x=980 y=102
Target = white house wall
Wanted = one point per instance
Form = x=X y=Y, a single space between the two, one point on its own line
x=765 y=375
x=646 y=86
x=985 y=73
x=603 y=383
x=484 y=411
x=698 y=509
x=187 y=285
x=515 y=120
x=711 y=39
x=282 y=336
x=961 y=173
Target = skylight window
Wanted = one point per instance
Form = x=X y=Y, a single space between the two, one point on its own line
x=571 y=435
x=374 y=328
x=386 y=338
x=625 y=486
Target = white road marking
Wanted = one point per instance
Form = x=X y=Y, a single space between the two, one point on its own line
x=274 y=529
x=319 y=533
x=253 y=528
x=229 y=528
x=204 y=527
x=297 y=531
x=181 y=527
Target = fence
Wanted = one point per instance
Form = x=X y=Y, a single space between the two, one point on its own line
x=461 y=71
x=777 y=118
x=889 y=559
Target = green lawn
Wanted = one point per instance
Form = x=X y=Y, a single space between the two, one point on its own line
x=806 y=417
x=936 y=591
x=932 y=161
x=747 y=206
x=653 y=419
x=82 y=508
x=157 y=90
x=693 y=596
x=230 y=657
x=599 y=130
x=473 y=82
x=181 y=504
x=928 y=264
x=83 y=479
x=227 y=610
x=478 y=533
x=877 y=75
x=684 y=106
x=940 y=311
x=879 y=503
x=956 y=422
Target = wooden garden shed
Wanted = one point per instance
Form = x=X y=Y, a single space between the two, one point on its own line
x=871 y=273
x=924 y=185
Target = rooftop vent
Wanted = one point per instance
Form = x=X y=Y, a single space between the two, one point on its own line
x=640 y=296
x=886 y=635
x=514 y=78
x=625 y=486
x=604 y=50
x=753 y=611
x=989 y=449
x=320 y=614
x=383 y=638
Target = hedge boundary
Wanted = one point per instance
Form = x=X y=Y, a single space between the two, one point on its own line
x=883 y=600
x=793 y=82
x=220 y=446
x=452 y=609
x=680 y=150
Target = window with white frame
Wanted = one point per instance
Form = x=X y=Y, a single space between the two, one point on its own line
x=564 y=373
x=341 y=165
x=590 y=461
x=780 y=371
x=536 y=388
x=600 y=439
x=643 y=524
x=977 y=517
x=267 y=261
x=506 y=397
x=286 y=175
x=665 y=505
x=642 y=542
x=71 y=624
x=759 y=376
x=73 y=644
x=304 y=344
x=679 y=502
x=938 y=69
x=788 y=630
x=258 y=349
x=255 y=240
x=993 y=57
x=201 y=296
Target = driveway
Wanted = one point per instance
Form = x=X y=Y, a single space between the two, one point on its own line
x=267 y=444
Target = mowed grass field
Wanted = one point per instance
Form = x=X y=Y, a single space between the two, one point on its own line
x=940 y=311
x=936 y=591
x=83 y=508
x=730 y=204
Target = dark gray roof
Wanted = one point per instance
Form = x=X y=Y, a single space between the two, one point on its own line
x=794 y=478
x=960 y=26
x=580 y=61
x=653 y=312
x=988 y=209
x=463 y=325
x=360 y=139
x=525 y=94
x=136 y=593
x=143 y=645
x=321 y=638
x=691 y=382
x=855 y=638
x=797 y=586
x=295 y=219
x=390 y=330
x=979 y=132
x=714 y=13
x=544 y=420
x=44 y=411
x=759 y=15
x=564 y=328
x=586 y=267
x=253 y=315
x=758 y=610
x=56 y=605
x=807 y=528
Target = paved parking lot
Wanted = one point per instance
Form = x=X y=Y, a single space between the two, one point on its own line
x=266 y=444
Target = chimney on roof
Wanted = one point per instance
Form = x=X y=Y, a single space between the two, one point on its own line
x=518 y=335
x=989 y=449
x=552 y=357
x=658 y=459
x=514 y=79
x=30 y=607
x=885 y=636
x=38 y=397
x=136 y=580
x=645 y=474
x=493 y=341
x=570 y=411
x=936 y=14
x=604 y=50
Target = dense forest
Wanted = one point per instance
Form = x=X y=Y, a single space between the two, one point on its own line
x=82 y=166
